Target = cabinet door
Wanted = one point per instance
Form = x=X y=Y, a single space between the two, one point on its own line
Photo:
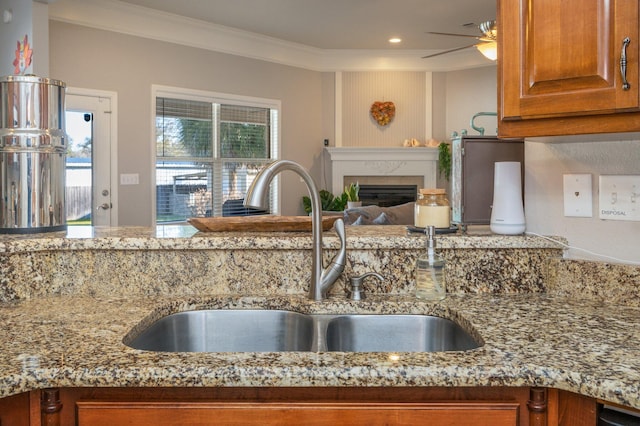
x=97 y=413
x=14 y=410
x=562 y=58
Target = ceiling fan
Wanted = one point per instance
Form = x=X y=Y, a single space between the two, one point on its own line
x=487 y=45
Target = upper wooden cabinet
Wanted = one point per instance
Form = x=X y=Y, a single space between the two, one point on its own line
x=568 y=67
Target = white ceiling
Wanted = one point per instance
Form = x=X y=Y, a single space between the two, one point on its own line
x=338 y=31
x=342 y=24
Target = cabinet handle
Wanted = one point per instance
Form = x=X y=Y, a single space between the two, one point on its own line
x=623 y=64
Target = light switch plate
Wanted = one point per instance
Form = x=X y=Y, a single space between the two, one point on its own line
x=578 y=195
x=620 y=197
x=129 y=179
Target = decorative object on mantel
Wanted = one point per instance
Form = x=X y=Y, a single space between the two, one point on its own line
x=432 y=143
x=262 y=223
x=413 y=142
x=383 y=112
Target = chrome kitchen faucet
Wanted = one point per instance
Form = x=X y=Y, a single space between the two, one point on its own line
x=322 y=279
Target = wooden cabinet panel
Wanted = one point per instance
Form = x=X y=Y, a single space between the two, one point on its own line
x=14 y=410
x=571 y=409
x=357 y=397
x=559 y=67
x=474 y=406
x=97 y=413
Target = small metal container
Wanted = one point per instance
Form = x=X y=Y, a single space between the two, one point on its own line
x=32 y=155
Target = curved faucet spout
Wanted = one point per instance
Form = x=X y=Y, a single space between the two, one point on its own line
x=321 y=279
x=332 y=272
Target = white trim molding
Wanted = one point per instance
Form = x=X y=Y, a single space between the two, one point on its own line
x=113 y=141
x=338 y=109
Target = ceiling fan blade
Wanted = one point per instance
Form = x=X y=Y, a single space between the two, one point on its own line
x=451 y=34
x=448 y=51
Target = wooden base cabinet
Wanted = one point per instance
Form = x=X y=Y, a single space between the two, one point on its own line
x=298 y=413
x=475 y=406
x=568 y=67
x=297 y=406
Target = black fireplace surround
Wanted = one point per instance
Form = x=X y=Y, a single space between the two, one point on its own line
x=387 y=195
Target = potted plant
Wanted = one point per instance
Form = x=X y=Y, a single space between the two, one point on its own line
x=444 y=160
x=328 y=201
x=352 y=193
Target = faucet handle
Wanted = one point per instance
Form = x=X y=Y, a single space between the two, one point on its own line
x=357 y=292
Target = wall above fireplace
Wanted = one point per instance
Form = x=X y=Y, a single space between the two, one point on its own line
x=391 y=165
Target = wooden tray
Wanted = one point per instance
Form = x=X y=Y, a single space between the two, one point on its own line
x=262 y=223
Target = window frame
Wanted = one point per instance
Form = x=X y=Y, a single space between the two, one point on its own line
x=219 y=98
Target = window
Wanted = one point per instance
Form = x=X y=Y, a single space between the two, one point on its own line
x=209 y=148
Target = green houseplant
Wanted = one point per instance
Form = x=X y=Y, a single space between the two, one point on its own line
x=444 y=160
x=328 y=202
x=352 y=191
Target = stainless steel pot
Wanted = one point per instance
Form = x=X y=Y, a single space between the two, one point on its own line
x=32 y=155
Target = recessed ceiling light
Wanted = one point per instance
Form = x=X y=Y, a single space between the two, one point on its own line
x=395 y=40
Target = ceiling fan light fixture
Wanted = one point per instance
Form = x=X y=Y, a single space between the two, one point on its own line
x=489 y=50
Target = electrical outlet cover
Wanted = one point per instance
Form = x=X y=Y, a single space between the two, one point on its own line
x=578 y=195
x=619 y=197
x=129 y=179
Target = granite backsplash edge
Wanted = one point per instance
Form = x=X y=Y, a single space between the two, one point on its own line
x=602 y=281
x=258 y=272
x=155 y=266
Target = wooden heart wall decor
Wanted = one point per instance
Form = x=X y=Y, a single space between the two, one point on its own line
x=383 y=112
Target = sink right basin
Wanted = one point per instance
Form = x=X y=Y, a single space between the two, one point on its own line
x=396 y=333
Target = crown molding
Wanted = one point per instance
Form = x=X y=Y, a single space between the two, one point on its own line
x=116 y=16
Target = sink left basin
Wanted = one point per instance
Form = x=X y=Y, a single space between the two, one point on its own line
x=228 y=331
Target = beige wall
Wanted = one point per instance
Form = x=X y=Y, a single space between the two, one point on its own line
x=90 y=58
x=468 y=92
x=407 y=90
x=439 y=106
x=545 y=165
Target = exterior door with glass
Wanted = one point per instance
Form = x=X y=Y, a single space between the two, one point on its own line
x=89 y=188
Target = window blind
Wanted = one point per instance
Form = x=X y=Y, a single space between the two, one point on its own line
x=207 y=155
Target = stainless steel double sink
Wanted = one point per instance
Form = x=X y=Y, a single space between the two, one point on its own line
x=260 y=330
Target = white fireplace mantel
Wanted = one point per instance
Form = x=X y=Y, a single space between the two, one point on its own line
x=368 y=161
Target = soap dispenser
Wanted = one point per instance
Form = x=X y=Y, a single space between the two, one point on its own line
x=430 y=278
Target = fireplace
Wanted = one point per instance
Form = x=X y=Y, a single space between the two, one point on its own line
x=387 y=195
x=403 y=169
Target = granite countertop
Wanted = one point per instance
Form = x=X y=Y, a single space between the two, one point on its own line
x=185 y=237
x=529 y=340
x=70 y=332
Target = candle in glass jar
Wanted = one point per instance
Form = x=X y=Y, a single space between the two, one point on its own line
x=432 y=208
